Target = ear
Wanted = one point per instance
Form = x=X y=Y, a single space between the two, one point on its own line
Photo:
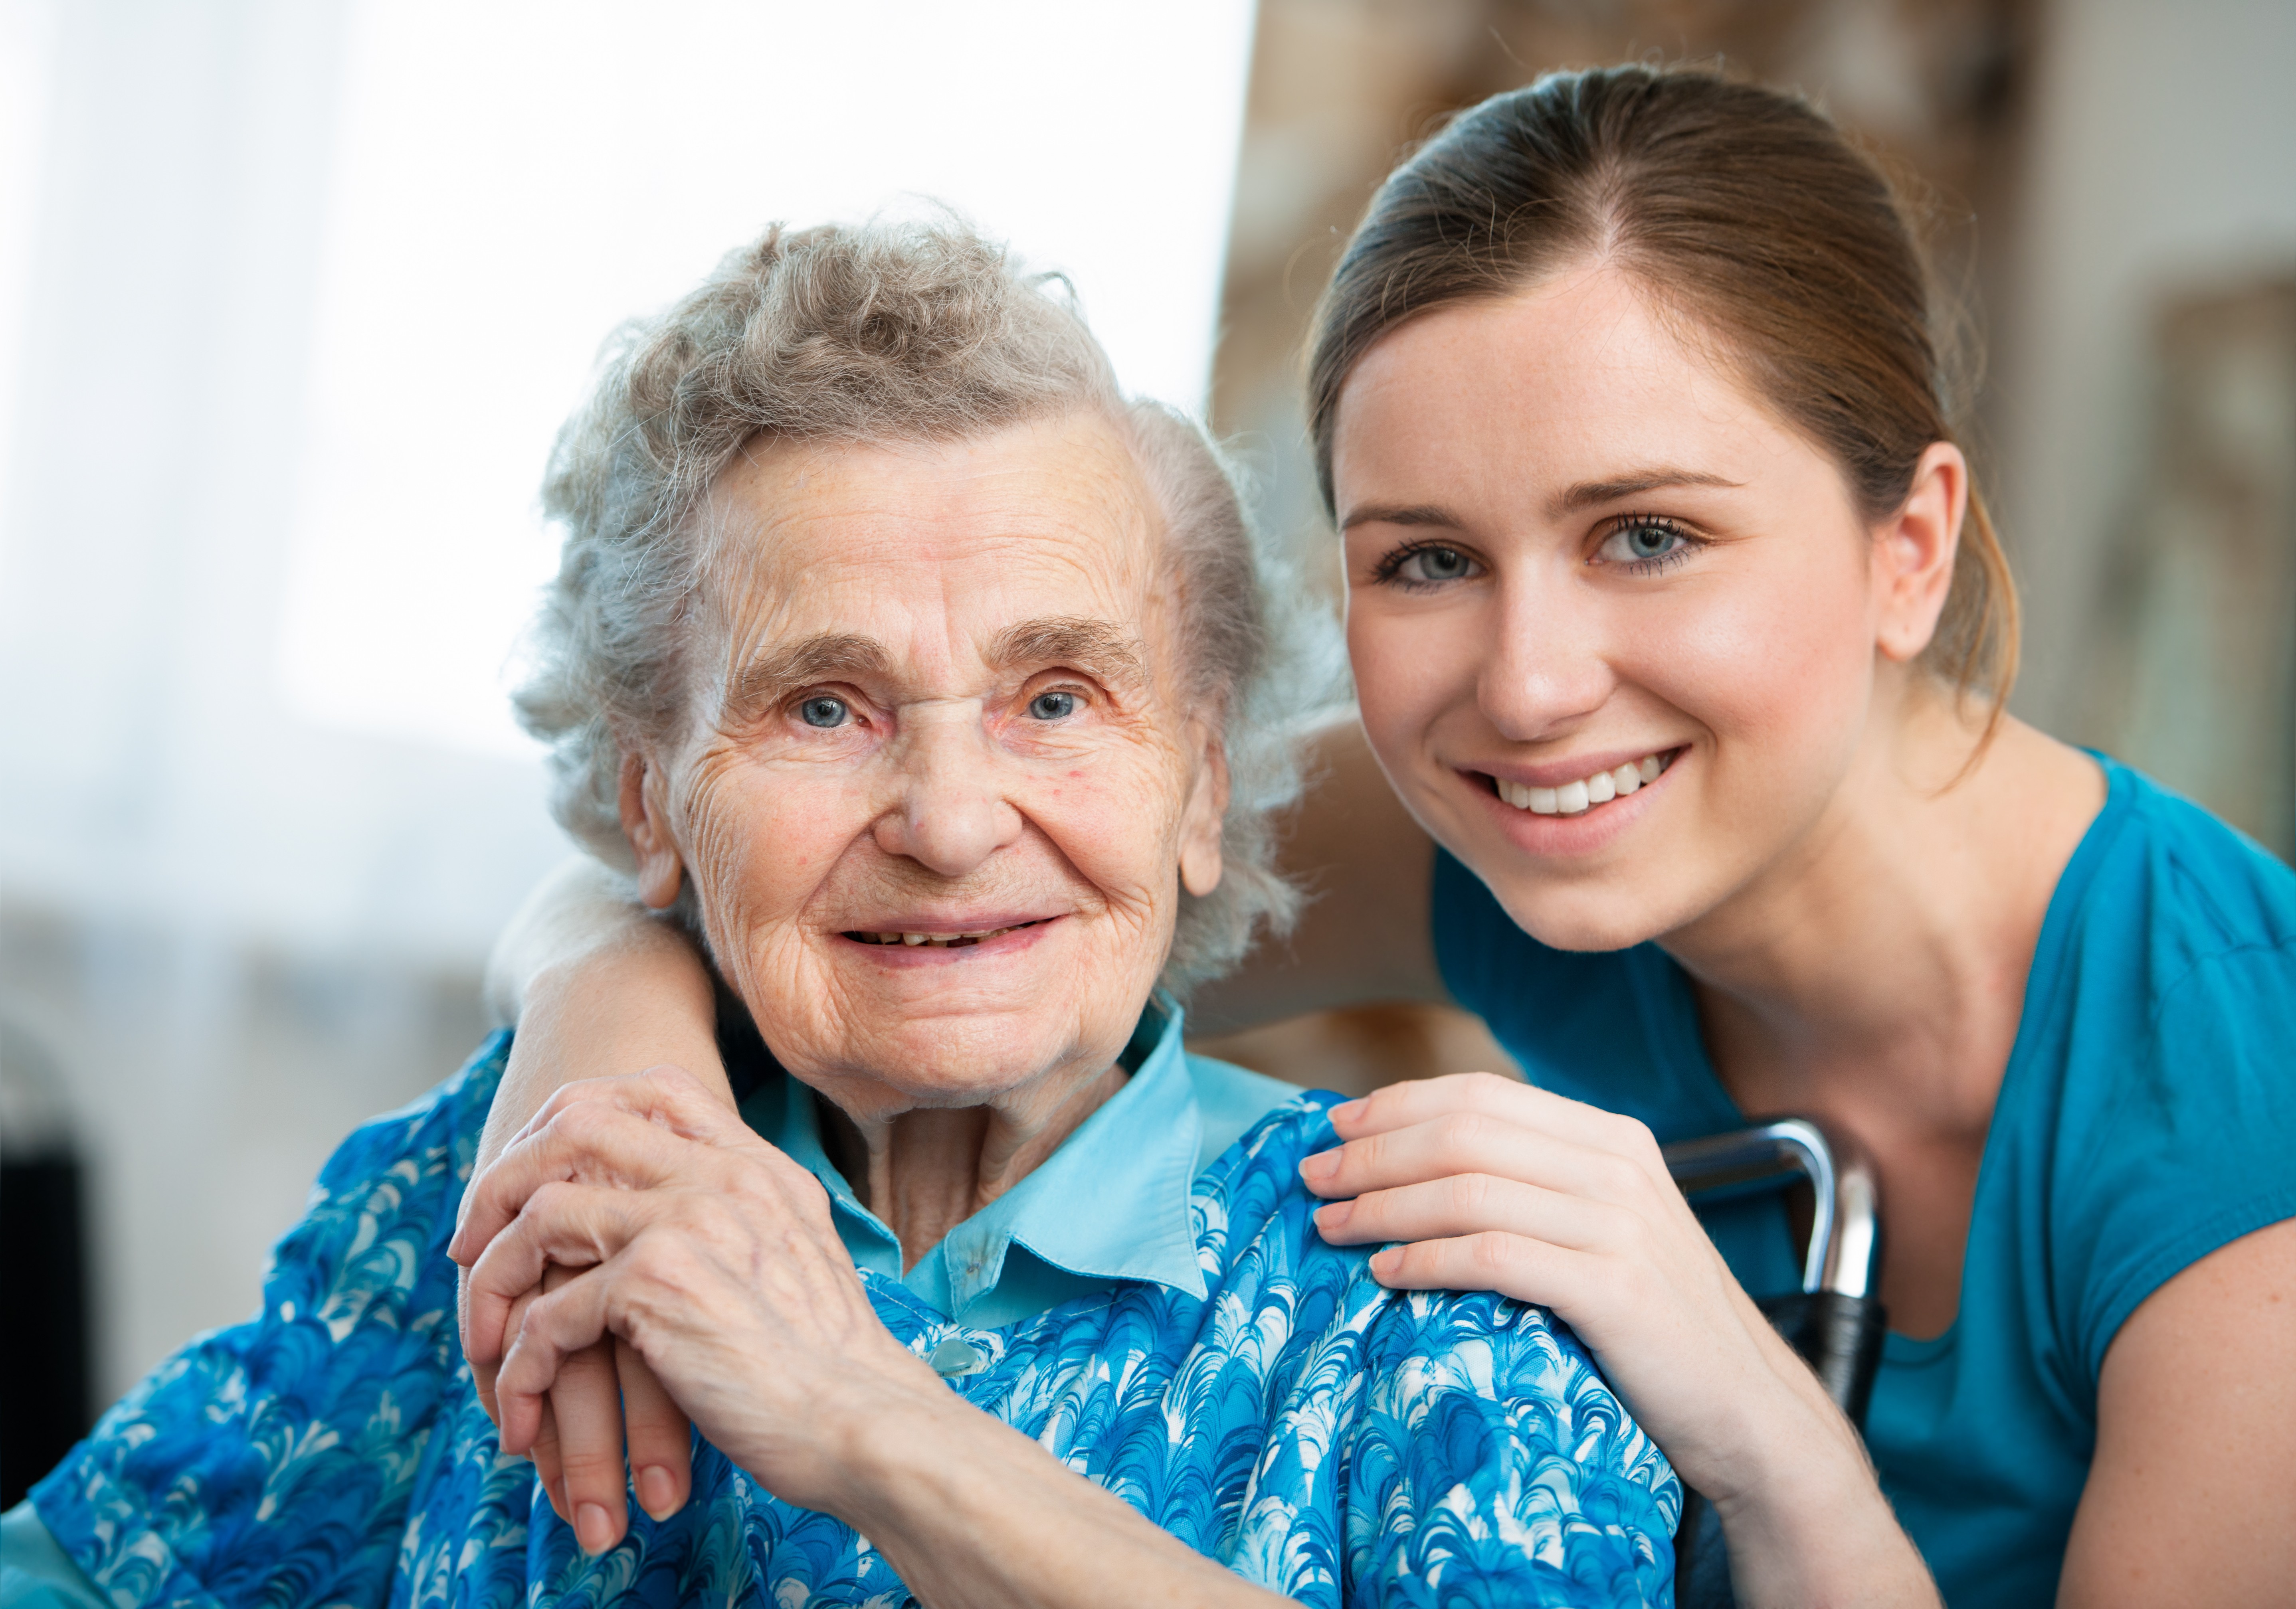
x=1202 y=817
x=1914 y=552
x=645 y=822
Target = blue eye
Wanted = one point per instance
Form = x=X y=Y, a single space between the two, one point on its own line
x=1434 y=564
x=1644 y=541
x=822 y=710
x=1052 y=707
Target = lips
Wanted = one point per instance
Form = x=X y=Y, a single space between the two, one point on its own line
x=938 y=938
x=1580 y=794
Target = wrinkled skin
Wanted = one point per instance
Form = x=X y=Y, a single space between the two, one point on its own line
x=935 y=692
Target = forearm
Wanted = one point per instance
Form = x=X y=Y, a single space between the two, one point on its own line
x=598 y=986
x=1808 y=1524
x=975 y=1515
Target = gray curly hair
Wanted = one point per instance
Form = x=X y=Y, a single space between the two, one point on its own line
x=891 y=332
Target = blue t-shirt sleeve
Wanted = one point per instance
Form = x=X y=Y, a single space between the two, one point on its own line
x=274 y=1461
x=1491 y=1463
x=2186 y=1148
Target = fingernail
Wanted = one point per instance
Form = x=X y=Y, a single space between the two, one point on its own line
x=1330 y=1219
x=1322 y=1166
x=657 y=1491
x=594 y=1529
x=1383 y=1263
x=1348 y=1109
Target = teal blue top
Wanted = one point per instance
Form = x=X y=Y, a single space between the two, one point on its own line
x=2147 y=1117
x=1109 y=1205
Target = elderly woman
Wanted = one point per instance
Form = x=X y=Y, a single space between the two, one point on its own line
x=934 y=685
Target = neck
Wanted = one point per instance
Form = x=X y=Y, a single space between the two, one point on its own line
x=1884 y=962
x=926 y=1171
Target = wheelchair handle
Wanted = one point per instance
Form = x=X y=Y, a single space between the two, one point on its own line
x=1835 y=1321
x=1845 y=1233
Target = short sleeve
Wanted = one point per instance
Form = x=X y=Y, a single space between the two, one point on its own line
x=275 y=1461
x=2185 y=1149
x=1492 y=1464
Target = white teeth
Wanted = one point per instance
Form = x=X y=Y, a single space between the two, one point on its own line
x=1574 y=799
x=913 y=938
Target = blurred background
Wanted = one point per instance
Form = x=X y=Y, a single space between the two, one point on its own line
x=294 y=292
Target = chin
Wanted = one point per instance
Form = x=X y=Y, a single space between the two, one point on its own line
x=962 y=1059
x=1589 y=919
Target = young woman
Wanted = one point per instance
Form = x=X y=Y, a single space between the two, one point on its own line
x=1680 y=631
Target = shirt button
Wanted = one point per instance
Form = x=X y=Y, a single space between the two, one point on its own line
x=955 y=1356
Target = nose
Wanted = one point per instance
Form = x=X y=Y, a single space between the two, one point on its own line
x=951 y=813
x=1549 y=670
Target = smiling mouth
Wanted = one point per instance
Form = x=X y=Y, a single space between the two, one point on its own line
x=1587 y=793
x=942 y=941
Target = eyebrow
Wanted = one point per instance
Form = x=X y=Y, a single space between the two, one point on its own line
x=1593 y=493
x=1108 y=650
x=1585 y=495
x=827 y=657
x=1397 y=513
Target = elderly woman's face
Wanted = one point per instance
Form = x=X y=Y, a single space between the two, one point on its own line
x=940 y=792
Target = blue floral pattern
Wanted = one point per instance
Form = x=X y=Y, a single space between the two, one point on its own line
x=1334 y=1440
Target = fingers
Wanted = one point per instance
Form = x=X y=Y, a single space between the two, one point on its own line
x=1512 y=1265
x=661 y=1439
x=1473 y=1141
x=550 y=1330
x=547 y=1466
x=585 y=1405
x=600 y=1138
x=1471 y=1203
x=570 y=1225
x=1417 y=1100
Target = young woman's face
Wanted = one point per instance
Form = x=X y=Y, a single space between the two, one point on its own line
x=1614 y=625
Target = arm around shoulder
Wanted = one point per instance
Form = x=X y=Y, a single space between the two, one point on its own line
x=598 y=986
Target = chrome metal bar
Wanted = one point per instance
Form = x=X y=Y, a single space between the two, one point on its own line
x=1845 y=1231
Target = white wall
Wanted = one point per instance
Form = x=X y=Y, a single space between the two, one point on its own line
x=278 y=280
x=2163 y=155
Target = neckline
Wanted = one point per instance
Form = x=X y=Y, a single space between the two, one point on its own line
x=1696 y=1074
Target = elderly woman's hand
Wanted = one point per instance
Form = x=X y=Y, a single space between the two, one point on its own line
x=713 y=1258
x=706 y=1254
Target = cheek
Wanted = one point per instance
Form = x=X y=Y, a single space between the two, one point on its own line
x=759 y=841
x=1776 y=664
x=1115 y=818
x=1410 y=665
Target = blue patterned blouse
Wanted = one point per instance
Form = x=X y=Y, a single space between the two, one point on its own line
x=1337 y=1441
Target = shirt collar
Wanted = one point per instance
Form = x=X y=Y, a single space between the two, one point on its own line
x=1110 y=1203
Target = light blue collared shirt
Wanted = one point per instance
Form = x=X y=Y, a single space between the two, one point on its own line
x=1109 y=1205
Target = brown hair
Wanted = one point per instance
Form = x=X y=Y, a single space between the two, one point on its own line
x=1741 y=209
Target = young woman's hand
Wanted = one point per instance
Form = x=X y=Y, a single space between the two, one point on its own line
x=1487 y=1184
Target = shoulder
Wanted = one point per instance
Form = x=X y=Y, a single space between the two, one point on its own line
x=2184 y=883
x=2153 y=1061
x=1230 y=1100
x=1482 y=1442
